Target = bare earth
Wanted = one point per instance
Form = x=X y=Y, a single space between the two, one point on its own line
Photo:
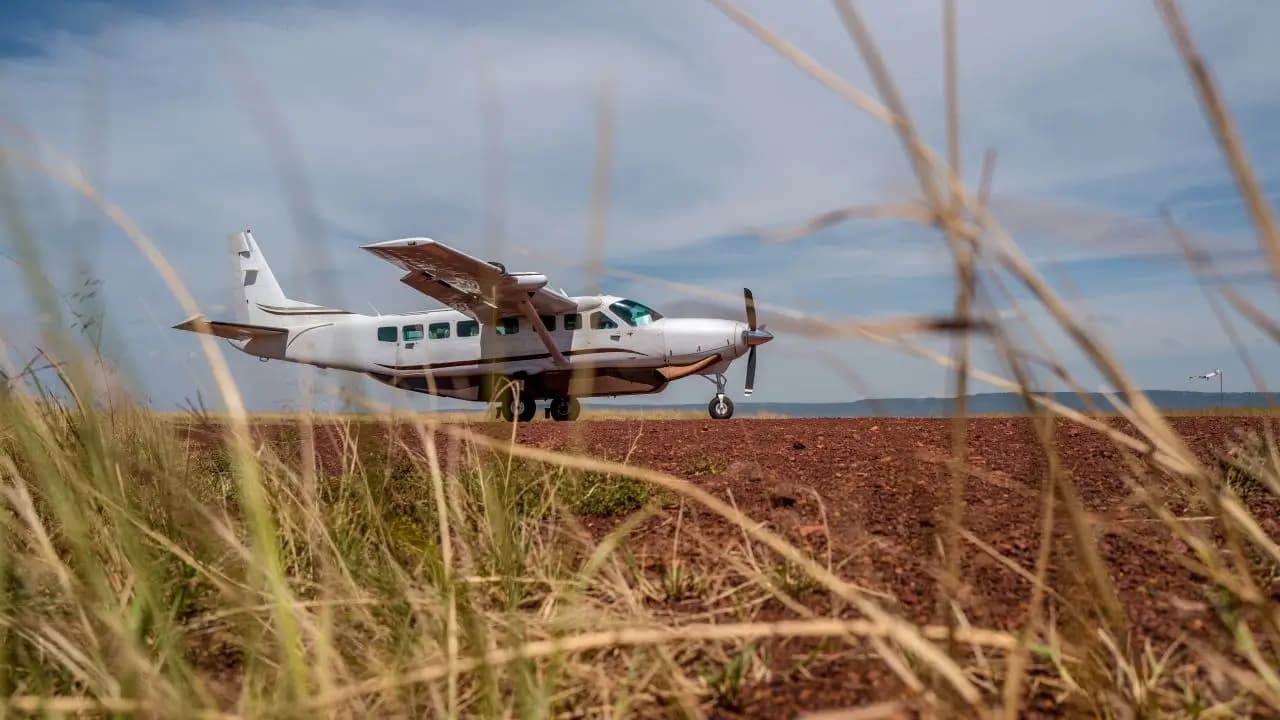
x=882 y=486
x=873 y=493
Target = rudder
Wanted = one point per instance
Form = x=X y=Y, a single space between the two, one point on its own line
x=256 y=285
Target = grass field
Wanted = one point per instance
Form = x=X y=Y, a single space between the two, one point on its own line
x=428 y=566
x=423 y=569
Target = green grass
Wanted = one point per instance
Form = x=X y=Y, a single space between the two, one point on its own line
x=604 y=495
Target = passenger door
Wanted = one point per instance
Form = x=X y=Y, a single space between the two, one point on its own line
x=386 y=351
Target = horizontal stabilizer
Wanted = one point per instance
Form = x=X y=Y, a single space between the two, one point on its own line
x=228 y=330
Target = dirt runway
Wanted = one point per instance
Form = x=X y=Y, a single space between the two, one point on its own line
x=875 y=493
x=871 y=496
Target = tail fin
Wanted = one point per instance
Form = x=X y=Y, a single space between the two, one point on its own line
x=259 y=299
x=255 y=283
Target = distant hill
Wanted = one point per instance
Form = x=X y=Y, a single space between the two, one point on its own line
x=986 y=404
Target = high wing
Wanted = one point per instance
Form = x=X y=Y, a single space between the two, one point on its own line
x=469 y=284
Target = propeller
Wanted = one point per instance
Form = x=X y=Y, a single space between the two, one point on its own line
x=753 y=337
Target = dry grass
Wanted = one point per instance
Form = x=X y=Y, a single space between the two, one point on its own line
x=144 y=574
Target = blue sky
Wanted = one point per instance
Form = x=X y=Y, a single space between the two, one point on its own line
x=189 y=115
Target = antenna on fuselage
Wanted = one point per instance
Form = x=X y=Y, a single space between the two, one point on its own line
x=375 y=310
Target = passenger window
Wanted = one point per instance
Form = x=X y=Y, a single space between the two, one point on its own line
x=387 y=334
x=468 y=328
x=573 y=322
x=600 y=321
x=438 y=331
x=412 y=333
x=508 y=326
x=549 y=321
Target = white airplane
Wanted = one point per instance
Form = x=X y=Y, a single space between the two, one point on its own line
x=507 y=337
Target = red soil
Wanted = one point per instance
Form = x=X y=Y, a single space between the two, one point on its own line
x=882 y=486
x=875 y=493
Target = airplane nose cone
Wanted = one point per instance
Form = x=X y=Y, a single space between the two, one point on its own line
x=756 y=337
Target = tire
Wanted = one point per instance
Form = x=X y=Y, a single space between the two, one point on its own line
x=525 y=407
x=516 y=406
x=565 y=409
x=720 y=407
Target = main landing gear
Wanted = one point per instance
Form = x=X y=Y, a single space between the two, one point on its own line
x=563 y=409
x=720 y=407
x=514 y=405
x=518 y=405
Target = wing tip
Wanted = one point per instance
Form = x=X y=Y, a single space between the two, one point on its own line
x=191 y=322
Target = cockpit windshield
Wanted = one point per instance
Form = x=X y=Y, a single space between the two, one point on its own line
x=633 y=313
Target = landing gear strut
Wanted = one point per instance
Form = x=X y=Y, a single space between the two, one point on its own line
x=720 y=407
x=563 y=409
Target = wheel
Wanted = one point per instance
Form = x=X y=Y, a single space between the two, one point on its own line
x=525 y=408
x=720 y=407
x=563 y=409
x=513 y=405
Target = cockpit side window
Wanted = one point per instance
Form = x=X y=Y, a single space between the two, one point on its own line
x=633 y=313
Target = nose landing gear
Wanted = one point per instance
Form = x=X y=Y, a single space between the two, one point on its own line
x=720 y=407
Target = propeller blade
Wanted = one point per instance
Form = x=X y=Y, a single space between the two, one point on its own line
x=751 y=371
x=751 y=308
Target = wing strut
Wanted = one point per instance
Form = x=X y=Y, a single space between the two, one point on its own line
x=541 y=329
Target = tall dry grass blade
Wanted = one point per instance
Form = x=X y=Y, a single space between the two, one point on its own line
x=950 y=582
x=988 y=174
x=901 y=119
x=953 y=99
x=1020 y=659
x=911 y=212
x=446 y=550
x=888 y=710
x=902 y=633
x=601 y=176
x=630 y=637
x=495 y=230
x=803 y=61
x=601 y=171
x=254 y=499
x=45 y=706
x=1197 y=262
x=925 y=162
x=1224 y=128
x=286 y=162
x=1252 y=312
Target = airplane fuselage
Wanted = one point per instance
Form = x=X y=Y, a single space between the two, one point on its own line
x=507 y=336
x=448 y=353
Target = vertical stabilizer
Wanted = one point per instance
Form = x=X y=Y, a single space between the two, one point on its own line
x=259 y=299
x=255 y=284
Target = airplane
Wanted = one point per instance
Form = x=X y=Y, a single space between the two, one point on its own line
x=505 y=337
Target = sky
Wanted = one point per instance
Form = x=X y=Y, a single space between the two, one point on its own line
x=323 y=126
